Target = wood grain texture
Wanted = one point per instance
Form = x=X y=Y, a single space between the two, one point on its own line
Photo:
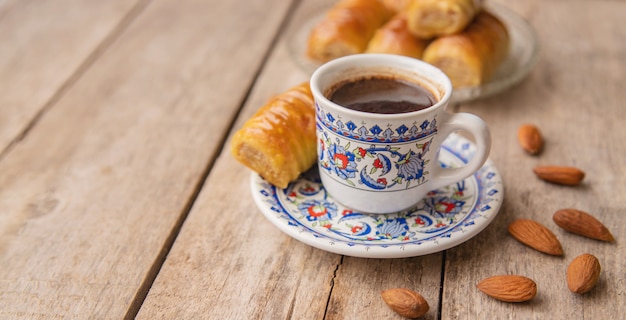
x=358 y=283
x=575 y=96
x=229 y=262
x=92 y=195
x=128 y=160
x=43 y=45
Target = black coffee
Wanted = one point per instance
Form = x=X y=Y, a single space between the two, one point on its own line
x=382 y=95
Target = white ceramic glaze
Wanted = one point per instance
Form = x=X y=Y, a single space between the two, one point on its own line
x=446 y=217
x=383 y=163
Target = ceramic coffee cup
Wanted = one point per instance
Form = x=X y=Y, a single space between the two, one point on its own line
x=384 y=163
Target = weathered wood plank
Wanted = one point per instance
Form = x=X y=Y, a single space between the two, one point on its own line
x=43 y=45
x=575 y=95
x=93 y=194
x=229 y=262
x=356 y=293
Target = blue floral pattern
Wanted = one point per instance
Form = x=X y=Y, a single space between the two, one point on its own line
x=368 y=157
x=374 y=133
x=305 y=209
x=377 y=167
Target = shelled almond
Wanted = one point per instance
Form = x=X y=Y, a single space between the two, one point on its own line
x=583 y=273
x=582 y=223
x=405 y=302
x=530 y=138
x=509 y=288
x=570 y=176
x=536 y=236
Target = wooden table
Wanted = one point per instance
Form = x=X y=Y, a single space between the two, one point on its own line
x=119 y=197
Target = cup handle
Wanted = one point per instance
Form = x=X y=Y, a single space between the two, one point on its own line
x=478 y=129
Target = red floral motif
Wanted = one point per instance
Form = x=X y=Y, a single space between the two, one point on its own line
x=346 y=212
x=341 y=160
x=328 y=226
x=317 y=211
x=445 y=207
x=362 y=152
x=378 y=164
x=292 y=194
x=440 y=224
x=356 y=229
x=382 y=181
x=420 y=221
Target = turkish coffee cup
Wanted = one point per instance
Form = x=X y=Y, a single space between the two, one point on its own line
x=381 y=120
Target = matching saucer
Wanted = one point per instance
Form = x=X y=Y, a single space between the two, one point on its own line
x=447 y=217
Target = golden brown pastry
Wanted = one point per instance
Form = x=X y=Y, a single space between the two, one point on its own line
x=346 y=29
x=394 y=37
x=278 y=142
x=432 y=18
x=471 y=57
x=396 y=5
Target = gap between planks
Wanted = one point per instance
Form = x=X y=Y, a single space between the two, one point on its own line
x=332 y=286
x=442 y=280
x=78 y=73
x=153 y=272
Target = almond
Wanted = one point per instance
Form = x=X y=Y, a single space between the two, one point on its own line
x=530 y=138
x=560 y=175
x=536 y=236
x=509 y=288
x=582 y=223
x=583 y=273
x=405 y=302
